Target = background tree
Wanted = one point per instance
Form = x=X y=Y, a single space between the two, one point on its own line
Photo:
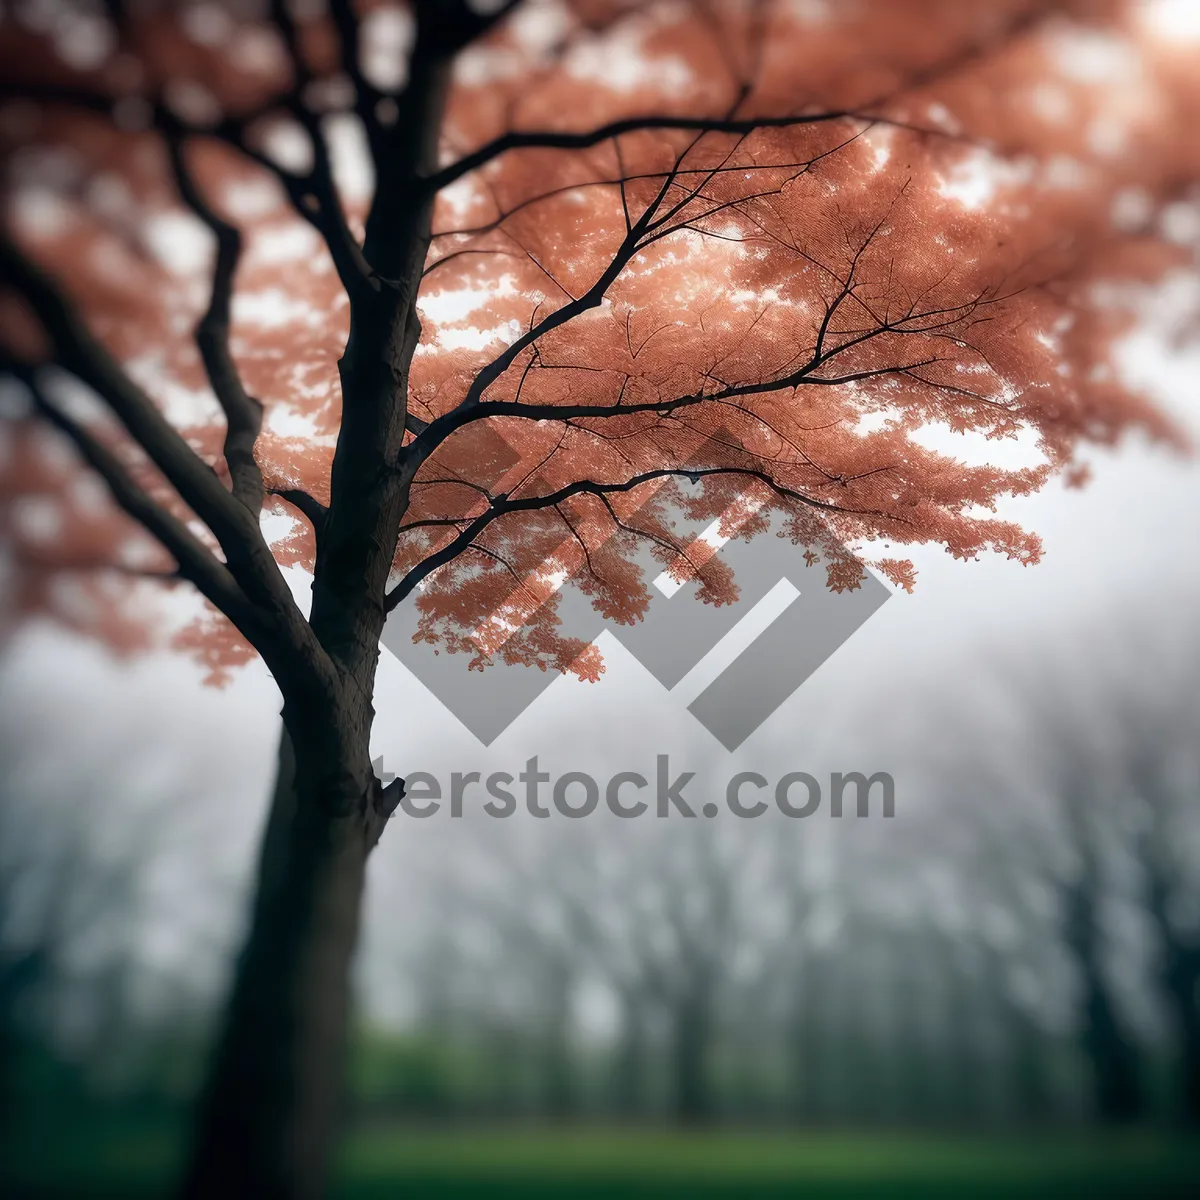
x=1160 y=781
x=479 y=284
x=86 y=873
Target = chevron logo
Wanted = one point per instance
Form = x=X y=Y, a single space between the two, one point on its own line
x=732 y=665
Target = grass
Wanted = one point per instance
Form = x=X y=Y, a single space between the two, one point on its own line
x=590 y=1164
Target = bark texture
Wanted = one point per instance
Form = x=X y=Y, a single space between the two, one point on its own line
x=269 y=1113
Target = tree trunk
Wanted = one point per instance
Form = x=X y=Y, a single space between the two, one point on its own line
x=1110 y=1053
x=690 y=1055
x=1191 y=1062
x=559 y=1084
x=268 y=1114
x=1027 y=1056
x=804 y=1042
x=1181 y=981
x=1179 y=971
x=629 y=1064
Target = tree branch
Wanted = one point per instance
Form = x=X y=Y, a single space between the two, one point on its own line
x=312 y=508
x=243 y=414
x=196 y=563
x=547 y=139
x=503 y=505
x=282 y=631
x=312 y=195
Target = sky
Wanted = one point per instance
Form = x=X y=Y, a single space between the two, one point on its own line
x=1126 y=539
x=1120 y=564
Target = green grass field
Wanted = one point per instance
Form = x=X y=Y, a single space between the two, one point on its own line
x=533 y=1164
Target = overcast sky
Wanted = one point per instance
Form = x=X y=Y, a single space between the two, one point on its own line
x=1122 y=551
x=1127 y=539
x=1118 y=551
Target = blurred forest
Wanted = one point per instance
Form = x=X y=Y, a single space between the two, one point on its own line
x=996 y=991
x=1018 y=949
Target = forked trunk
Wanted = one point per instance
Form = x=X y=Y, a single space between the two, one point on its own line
x=268 y=1114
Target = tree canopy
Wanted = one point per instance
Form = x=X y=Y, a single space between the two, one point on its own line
x=770 y=252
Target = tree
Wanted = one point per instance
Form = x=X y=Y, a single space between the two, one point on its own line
x=759 y=250
x=1157 y=771
x=1080 y=825
x=654 y=920
x=1038 y=847
x=74 y=879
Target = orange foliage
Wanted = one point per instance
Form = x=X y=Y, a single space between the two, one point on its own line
x=786 y=309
